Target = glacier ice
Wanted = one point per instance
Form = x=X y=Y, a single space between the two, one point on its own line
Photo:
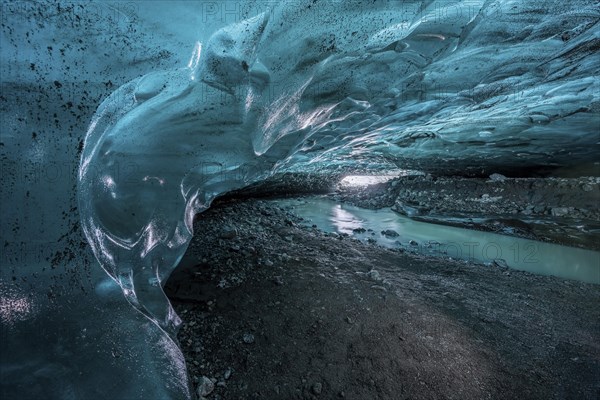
x=187 y=144
x=268 y=94
x=464 y=87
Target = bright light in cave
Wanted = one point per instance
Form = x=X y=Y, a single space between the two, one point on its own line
x=365 y=180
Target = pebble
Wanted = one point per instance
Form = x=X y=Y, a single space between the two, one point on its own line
x=560 y=211
x=205 y=386
x=390 y=233
x=227 y=374
x=248 y=338
x=317 y=388
x=374 y=274
x=527 y=211
x=497 y=178
x=278 y=280
x=228 y=232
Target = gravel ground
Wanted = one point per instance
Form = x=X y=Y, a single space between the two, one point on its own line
x=275 y=309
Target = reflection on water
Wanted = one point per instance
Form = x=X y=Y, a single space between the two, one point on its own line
x=438 y=240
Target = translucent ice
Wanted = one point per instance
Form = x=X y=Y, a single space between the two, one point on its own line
x=184 y=135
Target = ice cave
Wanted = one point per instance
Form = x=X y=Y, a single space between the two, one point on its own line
x=300 y=199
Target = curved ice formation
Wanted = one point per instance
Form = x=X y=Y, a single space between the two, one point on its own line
x=456 y=86
x=158 y=150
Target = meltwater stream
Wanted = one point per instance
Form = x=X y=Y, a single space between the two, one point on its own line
x=445 y=241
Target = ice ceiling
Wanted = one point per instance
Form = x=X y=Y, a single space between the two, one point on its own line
x=446 y=87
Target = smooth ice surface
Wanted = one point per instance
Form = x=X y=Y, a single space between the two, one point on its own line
x=446 y=241
x=445 y=87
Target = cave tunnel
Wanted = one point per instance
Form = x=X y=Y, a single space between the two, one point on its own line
x=300 y=199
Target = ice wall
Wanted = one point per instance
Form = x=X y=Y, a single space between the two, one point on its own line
x=443 y=86
x=66 y=329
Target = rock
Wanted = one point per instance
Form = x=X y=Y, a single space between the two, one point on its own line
x=278 y=280
x=497 y=178
x=390 y=233
x=499 y=262
x=528 y=210
x=205 y=387
x=560 y=211
x=539 y=209
x=228 y=232
x=410 y=210
x=248 y=338
x=374 y=274
x=413 y=243
x=227 y=374
x=317 y=388
x=359 y=230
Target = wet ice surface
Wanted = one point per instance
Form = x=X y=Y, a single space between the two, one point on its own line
x=390 y=229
